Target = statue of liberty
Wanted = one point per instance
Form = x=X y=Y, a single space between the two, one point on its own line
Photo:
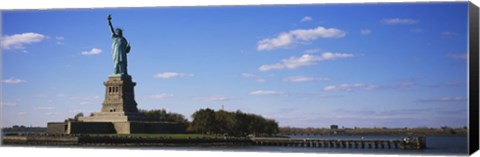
x=120 y=48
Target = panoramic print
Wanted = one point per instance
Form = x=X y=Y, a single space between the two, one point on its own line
x=336 y=78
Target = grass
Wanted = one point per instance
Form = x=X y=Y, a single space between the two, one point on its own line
x=174 y=136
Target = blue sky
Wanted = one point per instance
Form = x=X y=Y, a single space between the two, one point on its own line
x=369 y=65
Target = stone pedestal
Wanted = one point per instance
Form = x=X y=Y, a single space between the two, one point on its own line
x=119 y=95
x=115 y=128
x=119 y=104
x=119 y=114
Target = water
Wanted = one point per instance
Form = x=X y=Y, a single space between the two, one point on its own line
x=436 y=145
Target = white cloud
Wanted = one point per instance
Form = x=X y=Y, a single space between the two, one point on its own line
x=18 y=41
x=458 y=56
x=316 y=95
x=166 y=75
x=8 y=104
x=159 y=96
x=304 y=60
x=399 y=21
x=304 y=79
x=365 y=31
x=271 y=67
x=306 y=18
x=284 y=40
x=267 y=92
x=94 y=51
x=248 y=75
x=446 y=99
x=13 y=81
x=311 y=51
x=350 y=87
x=59 y=40
x=214 y=98
x=449 y=99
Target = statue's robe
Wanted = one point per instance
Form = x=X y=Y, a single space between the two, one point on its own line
x=120 y=49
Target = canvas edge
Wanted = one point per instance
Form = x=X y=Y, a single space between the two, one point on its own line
x=473 y=59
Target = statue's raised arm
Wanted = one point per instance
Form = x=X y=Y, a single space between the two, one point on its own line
x=110 y=24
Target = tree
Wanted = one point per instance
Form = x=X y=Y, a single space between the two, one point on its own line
x=222 y=122
x=163 y=116
x=204 y=121
x=241 y=123
x=75 y=118
x=78 y=115
x=271 y=127
x=232 y=123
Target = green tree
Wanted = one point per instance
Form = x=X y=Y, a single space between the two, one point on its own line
x=222 y=122
x=75 y=118
x=232 y=123
x=241 y=123
x=204 y=121
x=163 y=116
x=271 y=127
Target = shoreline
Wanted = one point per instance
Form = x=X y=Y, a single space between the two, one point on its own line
x=413 y=142
x=435 y=135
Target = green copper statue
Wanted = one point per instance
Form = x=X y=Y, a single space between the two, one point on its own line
x=120 y=49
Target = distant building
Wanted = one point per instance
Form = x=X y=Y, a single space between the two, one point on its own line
x=334 y=127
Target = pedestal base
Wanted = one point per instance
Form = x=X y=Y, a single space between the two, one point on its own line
x=119 y=114
x=113 y=117
x=127 y=127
